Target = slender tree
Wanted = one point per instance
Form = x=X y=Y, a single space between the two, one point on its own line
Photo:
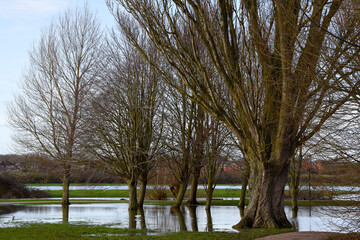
x=216 y=154
x=281 y=62
x=197 y=162
x=49 y=113
x=126 y=116
x=179 y=129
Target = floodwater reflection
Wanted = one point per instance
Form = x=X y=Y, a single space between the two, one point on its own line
x=180 y=217
x=194 y=225
x=209 y=221
x=155 y=217
x=65 y=213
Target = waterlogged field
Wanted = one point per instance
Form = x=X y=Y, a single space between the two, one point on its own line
x=106 y=205
x=163 y=219
x=69 y=231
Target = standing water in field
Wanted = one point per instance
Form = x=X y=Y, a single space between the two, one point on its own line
x=162 y=218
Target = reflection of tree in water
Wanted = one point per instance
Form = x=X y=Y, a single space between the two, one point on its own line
x=155 y=217
x=345 y=219
x=194 y=224
x=65 y=213
x=209 y=225
x=180 y=217
x=6 y=209
x=331 y=218
x=141 y=218
x=137 y=216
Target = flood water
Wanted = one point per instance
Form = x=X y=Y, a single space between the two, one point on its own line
x=163 y=218
x=125 y=187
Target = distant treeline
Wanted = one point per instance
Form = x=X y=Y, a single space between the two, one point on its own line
x=33 y=169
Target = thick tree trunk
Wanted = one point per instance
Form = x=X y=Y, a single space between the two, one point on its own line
x=244 y=185
x=132 y=221
x=181 y=194
x=66 y=183
x=194 y=186
x=132 y=194
x=143 y=185
x=266 y=207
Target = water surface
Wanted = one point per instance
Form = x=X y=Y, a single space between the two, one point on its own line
x=125 y=187
x=165 y=219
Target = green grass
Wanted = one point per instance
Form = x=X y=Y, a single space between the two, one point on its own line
x=69 y=231
x=91 y=193
x=218 y=193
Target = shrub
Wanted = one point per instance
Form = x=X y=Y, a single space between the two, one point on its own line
x=158 y=193
x=11 y=188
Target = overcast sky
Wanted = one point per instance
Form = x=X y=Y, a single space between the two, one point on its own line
x=20 y=25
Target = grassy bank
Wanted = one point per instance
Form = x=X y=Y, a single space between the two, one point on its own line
x=218 y=193
x=69 y=231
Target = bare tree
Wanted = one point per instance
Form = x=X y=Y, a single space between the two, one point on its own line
x=178 y=138
x=126 y=116
x=216 y=154
x=281 y=62
x=198 y=159
x=49 y=113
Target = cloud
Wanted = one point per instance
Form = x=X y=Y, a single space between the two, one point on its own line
x=15 y=9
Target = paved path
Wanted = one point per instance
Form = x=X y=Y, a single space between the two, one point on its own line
x=298 y=236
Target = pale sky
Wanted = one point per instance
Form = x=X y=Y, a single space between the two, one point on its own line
x=20 y=25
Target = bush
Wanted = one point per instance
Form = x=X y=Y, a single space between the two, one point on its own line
x=158 y=193
x=11 y=188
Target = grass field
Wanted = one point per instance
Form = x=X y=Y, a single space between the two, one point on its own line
x=219 y=194
x=69 y=231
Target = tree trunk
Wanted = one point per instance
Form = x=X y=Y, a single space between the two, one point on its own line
x=132 y=221
x=142 y=193
x=244 y=184
x=266 y=207
x=66 y=183
x=209 y=193
x=197 y=162
x=194 y=186
x=181 y=194
x=2 y=189
x=132 y=194
x=295 y=181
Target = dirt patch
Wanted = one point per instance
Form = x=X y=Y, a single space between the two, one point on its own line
x=299 y=236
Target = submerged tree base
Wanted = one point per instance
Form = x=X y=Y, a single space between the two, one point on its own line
x=243 y=224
